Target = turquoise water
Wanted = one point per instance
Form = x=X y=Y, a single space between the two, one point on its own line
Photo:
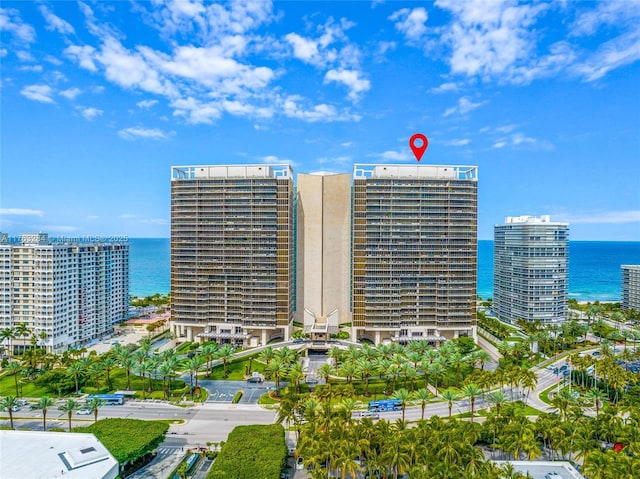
x=594 y=267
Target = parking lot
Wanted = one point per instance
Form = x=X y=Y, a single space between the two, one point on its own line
x=225 y=391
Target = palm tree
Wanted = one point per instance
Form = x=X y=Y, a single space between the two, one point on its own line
x=14 y=368
x=108 y=364
x=422 y=395
x=22 y=331
x=95 y=370
x=209 y=351
x=144 y=368
x=225 y=353
x=68 y=407
x=9 y=403
x=8 y=335
x=436 y=369
x=366 y=369
x=128 y=363
x=403 y=396
x=166 y=369
x=325 y=371
x=94 y=405
x=45 y=403
x=296 y=374
x=266 y=355
x=76 y=368
x=497 y=399
x=472 y=391
x=450 y=396
x=596 y=396
x=277 y=368
x=194 y=366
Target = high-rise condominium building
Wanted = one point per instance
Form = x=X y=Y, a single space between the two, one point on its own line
x=530 y=278
x=66 y=292
x=232 y=257
x=414 y=249
x=631 y=286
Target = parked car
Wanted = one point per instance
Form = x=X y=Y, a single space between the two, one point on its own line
x=13 y=409
x=254 y=379
x=552 y=475
x=83 y=411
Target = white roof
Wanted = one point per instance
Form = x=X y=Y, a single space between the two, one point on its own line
x=540 y=469
x=49 y=455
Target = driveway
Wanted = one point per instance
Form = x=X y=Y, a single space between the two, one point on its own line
x=224 y=391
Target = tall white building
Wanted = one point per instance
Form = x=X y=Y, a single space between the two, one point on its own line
x=530 y=262
x=67 y=293
x=631 y=286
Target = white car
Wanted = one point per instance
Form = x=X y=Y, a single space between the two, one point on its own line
x=83 y=411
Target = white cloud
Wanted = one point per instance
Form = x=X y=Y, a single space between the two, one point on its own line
x=600 y=217
x=144 y=133
x=458 y=142
x=40 y=93
x=304 y=49
x=463 y=107
x=127 y=216
x=493 y=40
x=30 y=68
x=392 y=155
x=10 y=21
x=93 y=217
x=411 y=23
x=335 y=160
x=320 y=112
x=351 y=79
x=71 y=93
x=146 y=103
x=521 y=140
x=84 y=55
x=617 y=52
x=3 y=52
x=55 y=23
x=90 y=113
x=21 y=212
x=445 y=87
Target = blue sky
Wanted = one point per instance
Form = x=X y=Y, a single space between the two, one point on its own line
x=99 y=99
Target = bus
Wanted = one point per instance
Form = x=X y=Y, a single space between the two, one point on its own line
x=108 y=399
x=385 y=405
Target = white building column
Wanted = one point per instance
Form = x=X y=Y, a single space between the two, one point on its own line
x=377 y=341
x=264 y=337
x=189 y=333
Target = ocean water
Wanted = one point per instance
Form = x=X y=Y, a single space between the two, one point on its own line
x=594 y=267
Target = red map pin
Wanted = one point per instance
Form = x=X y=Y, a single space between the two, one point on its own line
x=418 y=150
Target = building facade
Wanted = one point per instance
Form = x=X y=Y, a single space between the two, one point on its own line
x=631 y=286
x=232 y=257
x=323 y=249
x=67 y=293
x=530 y=269
x=414 y=252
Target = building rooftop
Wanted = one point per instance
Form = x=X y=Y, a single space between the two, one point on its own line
x=39 y=454
x=438 y=172
x=205 y=172
x=540 y=469
x=532 y=220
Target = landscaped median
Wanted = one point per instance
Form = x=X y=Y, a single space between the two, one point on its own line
x=252 y=452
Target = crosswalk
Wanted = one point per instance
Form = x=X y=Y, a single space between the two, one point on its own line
x=165 y=451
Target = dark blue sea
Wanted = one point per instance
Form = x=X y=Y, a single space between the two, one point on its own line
x=594 y=267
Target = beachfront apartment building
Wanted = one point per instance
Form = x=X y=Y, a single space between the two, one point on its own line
x=232 y=257
x=414 y=252
x=631 y=286
x=386 y=254
x=68 y=291
x=530 y=269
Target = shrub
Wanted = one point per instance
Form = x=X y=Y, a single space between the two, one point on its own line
x=251 y=452
x=237 y=397
x=127 y=439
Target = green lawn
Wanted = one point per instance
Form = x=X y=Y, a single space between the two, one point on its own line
x=237 y=370
x=25 y=387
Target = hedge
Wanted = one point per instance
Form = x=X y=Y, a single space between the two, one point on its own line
x=127 y=439
x=252 y=452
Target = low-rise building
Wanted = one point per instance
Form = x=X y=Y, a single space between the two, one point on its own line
x=53 y=455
